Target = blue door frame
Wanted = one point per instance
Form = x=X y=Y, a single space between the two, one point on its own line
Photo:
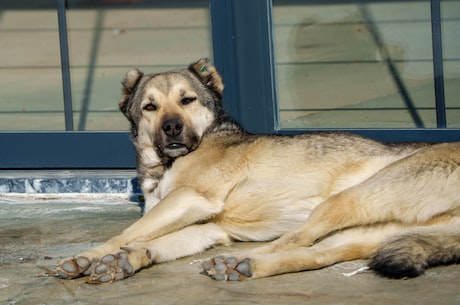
x=243 y=53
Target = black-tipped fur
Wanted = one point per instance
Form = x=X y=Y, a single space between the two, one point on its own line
x=411 y=255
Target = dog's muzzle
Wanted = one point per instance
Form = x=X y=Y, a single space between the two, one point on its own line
x=175 y=140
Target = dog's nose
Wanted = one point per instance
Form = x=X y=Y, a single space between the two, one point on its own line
x=172 y=127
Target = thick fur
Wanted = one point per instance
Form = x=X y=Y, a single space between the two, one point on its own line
x=317 y=199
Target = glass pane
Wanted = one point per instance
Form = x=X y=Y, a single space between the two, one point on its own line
x=108 y=38
x=365 y=64
x=450 y=14
x=30 y=77
x=105 y=39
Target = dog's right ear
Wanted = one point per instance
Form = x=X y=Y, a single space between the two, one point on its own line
x=130 y=82
x=208 y=75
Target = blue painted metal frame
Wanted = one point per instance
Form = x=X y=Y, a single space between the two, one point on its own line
x=65 y=63
x=438 y=70
x=243 y=53
x=71 y=150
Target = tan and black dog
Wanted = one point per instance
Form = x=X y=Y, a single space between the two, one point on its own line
x=318 y=198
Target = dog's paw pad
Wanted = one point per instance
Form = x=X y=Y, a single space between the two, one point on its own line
x=244 y=268
x=227 y=268
x=71 y=268
x=111 y=268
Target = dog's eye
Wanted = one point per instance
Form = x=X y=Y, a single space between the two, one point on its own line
x=187 y=100
x=150 y=107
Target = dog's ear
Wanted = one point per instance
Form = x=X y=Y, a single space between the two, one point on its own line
x=128 y=85
x=208 y=75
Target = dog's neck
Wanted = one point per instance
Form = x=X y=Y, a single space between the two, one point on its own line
x=226 y=124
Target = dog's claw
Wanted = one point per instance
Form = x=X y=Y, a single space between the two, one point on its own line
x=227 y=269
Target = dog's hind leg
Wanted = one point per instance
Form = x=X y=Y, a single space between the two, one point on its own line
x=412 y=191
x=137 y=255
x=356 y=243
x=179 y=209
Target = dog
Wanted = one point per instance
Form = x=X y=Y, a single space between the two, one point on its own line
x=316 y=199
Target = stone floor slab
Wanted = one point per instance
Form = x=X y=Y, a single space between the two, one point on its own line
x=34 y=236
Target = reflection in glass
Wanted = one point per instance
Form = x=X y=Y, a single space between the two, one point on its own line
x=356 y=65
x=106 y=38
x=30 y=77
x=450 y=11
x=110 y=38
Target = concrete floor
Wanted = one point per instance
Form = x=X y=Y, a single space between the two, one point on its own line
x=34 y=235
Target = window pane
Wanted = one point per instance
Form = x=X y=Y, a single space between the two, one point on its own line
x=30 y=77
x=354 y=65
x=450 y=13
x=107 y=40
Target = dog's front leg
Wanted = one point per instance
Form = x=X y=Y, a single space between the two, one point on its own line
x=179 y=209
x=137 y=255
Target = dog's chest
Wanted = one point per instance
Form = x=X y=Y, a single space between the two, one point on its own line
x=165 y=185
x=205 y=174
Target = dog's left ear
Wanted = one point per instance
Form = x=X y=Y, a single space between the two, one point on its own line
x=208 y=75
x=129 y=83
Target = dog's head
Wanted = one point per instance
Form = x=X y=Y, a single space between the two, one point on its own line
x=169 y=112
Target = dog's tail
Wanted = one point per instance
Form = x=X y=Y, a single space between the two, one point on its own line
x=409 y=255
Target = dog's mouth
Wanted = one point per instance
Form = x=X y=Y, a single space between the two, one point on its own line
x=175 y=146
x=175 y=149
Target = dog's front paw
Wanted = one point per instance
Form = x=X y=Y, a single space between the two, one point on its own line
x=229 y=268
x=71 y=268
x=111 y=268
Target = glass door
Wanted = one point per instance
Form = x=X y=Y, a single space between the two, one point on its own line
x=364 y=64
x=384 y=69
x=62 y=64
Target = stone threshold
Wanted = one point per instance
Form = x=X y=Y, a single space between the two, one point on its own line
x=65 y=184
